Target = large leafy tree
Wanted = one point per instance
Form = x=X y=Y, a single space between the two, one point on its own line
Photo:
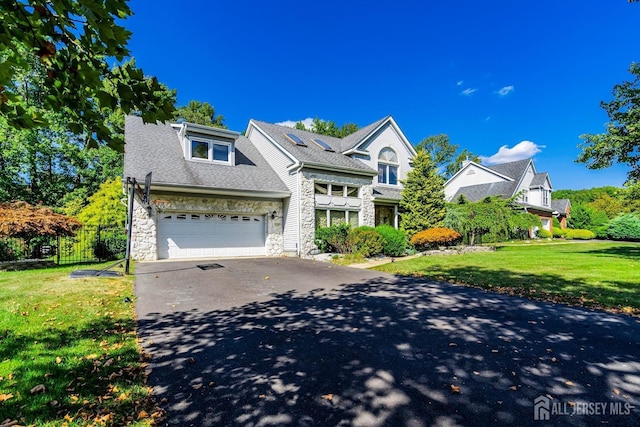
x=422 y=202
x=74 y=43
x=105 y=206
x=201 y=113
x=329 y=128
x=445 y=155
x=621 y=141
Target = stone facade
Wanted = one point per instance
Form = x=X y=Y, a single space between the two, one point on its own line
x=307 y=203
x=145 y=234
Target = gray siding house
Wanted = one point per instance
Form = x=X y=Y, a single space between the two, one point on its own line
x=217 y=193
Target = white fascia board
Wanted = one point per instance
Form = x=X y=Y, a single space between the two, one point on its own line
x=210 y=130
x=338 y=169
x=533 y=167
x=197 y=189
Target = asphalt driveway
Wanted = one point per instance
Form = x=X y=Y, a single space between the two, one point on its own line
x=284 y=341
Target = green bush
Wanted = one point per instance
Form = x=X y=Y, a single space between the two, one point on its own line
x=433 y=237
x=365 y=241
x=333 y=239
x=9 y=250
x=579 y=234
x=395 y=241
x=559 y=233
x=544 y=234
x=112 y=245
x=624 y=227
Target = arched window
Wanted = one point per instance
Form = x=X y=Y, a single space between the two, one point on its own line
x=388 y=167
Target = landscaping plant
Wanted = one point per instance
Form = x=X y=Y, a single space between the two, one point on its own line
x=395 y=241
x=434 y=237
x=365 y=241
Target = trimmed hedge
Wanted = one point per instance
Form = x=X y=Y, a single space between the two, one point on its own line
x=365 y=241
x=395 y=241
x=333 y=239
x=544 y=234
x=579 y=234
x=559 y=233
x=439 y=236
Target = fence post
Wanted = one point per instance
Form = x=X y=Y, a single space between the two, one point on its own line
x=58 y=248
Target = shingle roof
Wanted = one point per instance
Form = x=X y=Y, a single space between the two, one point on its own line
x=312 y=153
x=351 y=141
x=513 y=170
x=538 y=179
x=560 y=205
x=387 y=193
x=474 y=193
x=156 y=148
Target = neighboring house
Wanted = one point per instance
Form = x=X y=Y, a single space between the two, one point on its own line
x=217 y=193
x=533 y=189
x=562 y=209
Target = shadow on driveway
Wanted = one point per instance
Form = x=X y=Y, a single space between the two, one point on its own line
x=392 y=351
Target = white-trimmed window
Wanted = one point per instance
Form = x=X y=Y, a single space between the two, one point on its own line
x=545 y=197
x=336 y=190
x=207 y=150
x=388 y=167
x=525 y=196
x=329 y=217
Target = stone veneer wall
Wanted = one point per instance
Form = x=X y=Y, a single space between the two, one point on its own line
x=307 y=201
x=144 y=233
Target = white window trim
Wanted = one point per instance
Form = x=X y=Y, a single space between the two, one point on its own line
x=347 y=214
x=345 y=188
x=386 y=165
x=230 y=161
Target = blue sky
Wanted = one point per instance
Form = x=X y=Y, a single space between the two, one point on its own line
x=505 y=79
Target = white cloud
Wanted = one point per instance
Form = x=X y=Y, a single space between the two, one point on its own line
x=308 y=122
x=468 y=91
x=505 y=90
x=460 y=83
x=520 y=151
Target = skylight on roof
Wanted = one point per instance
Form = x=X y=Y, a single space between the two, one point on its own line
x=323 y=144
x=295 y=139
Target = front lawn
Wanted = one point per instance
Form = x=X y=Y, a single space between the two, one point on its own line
x=593 y=274
x=68 y=351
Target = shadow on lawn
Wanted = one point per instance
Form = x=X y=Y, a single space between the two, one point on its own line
x=86 y=376
x=390 y=352
x=613 y=294
x=628 y=251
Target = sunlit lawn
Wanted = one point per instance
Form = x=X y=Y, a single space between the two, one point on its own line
x=594 y=274
x=68 y=351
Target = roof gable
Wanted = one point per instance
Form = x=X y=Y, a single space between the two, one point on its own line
x=357 y=141
x=312 y=154
x=157 y=148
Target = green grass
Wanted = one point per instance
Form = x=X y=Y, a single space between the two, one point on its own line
x=75 y=337
x=594 y=274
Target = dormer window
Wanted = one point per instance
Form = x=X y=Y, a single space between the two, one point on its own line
x=202 y=149
x=388 y=167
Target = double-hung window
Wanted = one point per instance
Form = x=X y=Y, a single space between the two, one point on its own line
x=388 y=167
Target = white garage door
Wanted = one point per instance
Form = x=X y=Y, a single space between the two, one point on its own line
x=186 y=235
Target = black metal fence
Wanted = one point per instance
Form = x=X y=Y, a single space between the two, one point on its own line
x=89 y=244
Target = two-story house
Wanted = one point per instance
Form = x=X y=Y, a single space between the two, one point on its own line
x=215 y=192
x=514 y=179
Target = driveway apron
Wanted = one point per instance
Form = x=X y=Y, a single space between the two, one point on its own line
x=286 y=341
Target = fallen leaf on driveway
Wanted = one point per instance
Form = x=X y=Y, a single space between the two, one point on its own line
x=452 y=344
x=615 y=390
x=570 y=383
x=196 y=386
x=513 y=387
x=327 y=396
x=191 y=360
x=455 y=388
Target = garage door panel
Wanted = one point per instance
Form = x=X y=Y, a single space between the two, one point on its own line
x=184 y=235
